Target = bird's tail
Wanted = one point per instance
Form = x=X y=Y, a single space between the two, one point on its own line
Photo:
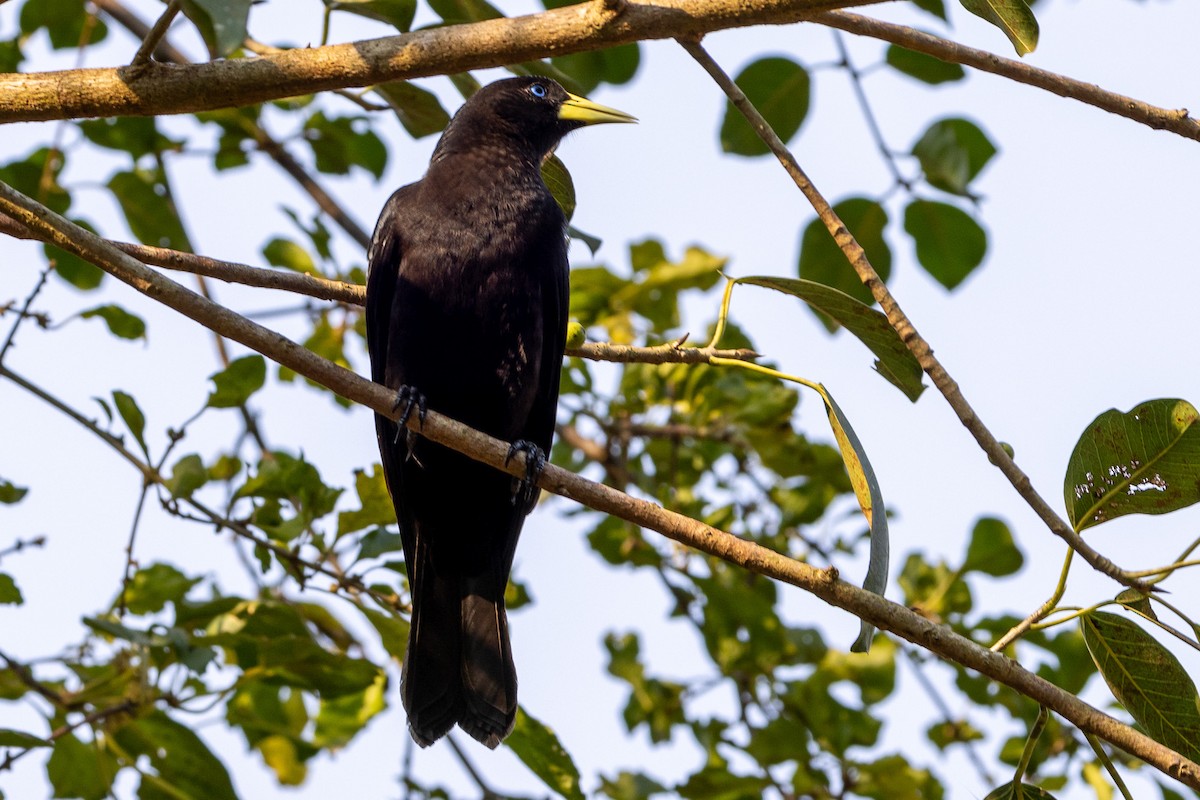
x=489 y=678
x=470 y=679
x=430 y=686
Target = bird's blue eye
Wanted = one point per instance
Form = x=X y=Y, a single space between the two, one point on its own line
x=537 y=90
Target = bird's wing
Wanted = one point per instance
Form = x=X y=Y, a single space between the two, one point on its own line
x=383 y=265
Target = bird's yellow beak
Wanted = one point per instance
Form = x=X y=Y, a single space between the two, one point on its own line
x=580 y=109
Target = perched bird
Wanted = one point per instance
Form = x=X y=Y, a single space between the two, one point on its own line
x=467 y=314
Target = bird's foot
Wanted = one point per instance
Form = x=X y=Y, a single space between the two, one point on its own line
x=408 y=398
x=526 y=490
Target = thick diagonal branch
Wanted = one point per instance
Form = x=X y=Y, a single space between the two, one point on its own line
x=904 y=327
x=154 y=88
x=878 y=611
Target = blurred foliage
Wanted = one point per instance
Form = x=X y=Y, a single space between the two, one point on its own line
x=300 y=673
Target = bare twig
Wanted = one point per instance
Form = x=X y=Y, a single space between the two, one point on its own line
x=12 y=756
x=860 y=94
x=22 y=544
x=23 y=314
x=266 y=143
x=487 y=791
x=825 y=584
x=355 y=295
x=151 y=476
x=156 y=33
x=906 y=330
x=163 y=50
x=1176 y=121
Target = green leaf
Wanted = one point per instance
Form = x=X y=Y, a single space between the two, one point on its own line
x=1015 y=791
x=340 y=143
x=992 y=550
x=376 y=504
x=779 y=88
x=36 y=175
x=10 y=493
x=25 y=741
x=187 y=476
x=952 y=152
x=539 y=749
x=1147 y=679
x=935 y=7
x=283 y=755
x=10 y=595
x=152 y=587
x=630 y=786
x=81 y=274
x=455 y=11
x=394 y=12
x=79 y=770
x=558 y=181
x=870 y=500
x=379 y=542
x=821 y=259
x=280 y=252
x=179 y=757
x=340 y=719
x=716 y=782
x=923 y=67
x=895 y=362
x=893 y=778
x=65 y=20
x=282 y=476
x=1013 y=17
x=143 y=197
x=950 y=244
x=419 y=110
x=134 y=419
x=11 y=55
x=588 y=69
x=1145 y=461
x=120 y=322
x=392 y=630
x=222 y=23
x=237 y=382
x=137 y=136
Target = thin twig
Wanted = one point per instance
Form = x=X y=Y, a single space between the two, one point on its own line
x=1176 y=121
x=823 y=583
x=939 y=703
x=904 y=327
x=152 y=476
x=156 y=33
x=355 y=295
x=265 y=142
x=23 y=314
x=860 y=94
x=11 y=757
x=22 y=544
x=488 y=792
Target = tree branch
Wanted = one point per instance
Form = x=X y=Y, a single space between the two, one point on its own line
x=355 y=295
x=824 y=583
x=1174 y=120
x=905 y=329
x=164 y=51
x=156 y=88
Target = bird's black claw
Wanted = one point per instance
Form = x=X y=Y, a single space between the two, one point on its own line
x=535 y=462
x=408 y=398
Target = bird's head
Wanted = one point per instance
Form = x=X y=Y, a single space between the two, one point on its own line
x=532 y=112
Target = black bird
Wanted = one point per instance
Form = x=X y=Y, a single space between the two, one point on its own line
x=467 y=312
